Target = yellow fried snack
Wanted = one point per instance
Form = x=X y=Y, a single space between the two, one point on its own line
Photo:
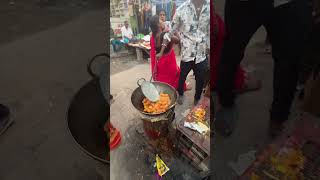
x=200 y=113
x=160 y=106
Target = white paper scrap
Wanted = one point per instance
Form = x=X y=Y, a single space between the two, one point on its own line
x=200 y=127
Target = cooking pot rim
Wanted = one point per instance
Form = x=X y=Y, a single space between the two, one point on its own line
x=106 y=162
x=169 y=108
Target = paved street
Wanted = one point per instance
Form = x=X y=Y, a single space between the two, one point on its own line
x=42 y=67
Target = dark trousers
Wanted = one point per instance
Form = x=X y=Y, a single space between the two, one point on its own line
x=287 y=27
x=199 y=69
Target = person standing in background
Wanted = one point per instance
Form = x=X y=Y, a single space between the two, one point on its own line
x=147 y=13
x=166 y=25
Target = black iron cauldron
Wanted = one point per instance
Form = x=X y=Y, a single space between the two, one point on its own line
x=137 y=97
x=88 y=112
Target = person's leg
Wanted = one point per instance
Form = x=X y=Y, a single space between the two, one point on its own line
x=241 y=23
x=289 y=27
x=185 y=68
x=200 y=71
x=242 y=19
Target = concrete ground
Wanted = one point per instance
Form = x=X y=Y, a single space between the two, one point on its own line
x=41 y=69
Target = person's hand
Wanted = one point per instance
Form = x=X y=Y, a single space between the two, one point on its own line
x=162 y=24
x=158 y=56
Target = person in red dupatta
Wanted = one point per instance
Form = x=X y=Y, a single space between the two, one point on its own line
x=164 y=67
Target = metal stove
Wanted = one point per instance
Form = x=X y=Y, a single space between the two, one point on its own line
x=158 y=125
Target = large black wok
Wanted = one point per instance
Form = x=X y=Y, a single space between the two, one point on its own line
x=137 y=97
x=87 y=114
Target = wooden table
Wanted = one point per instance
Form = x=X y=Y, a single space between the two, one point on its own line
x=139 y=50
x=200 y=141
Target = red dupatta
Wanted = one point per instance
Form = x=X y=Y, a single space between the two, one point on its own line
x=167 y=70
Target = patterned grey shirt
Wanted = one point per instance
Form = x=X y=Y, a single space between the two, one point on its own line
x=194 y=32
